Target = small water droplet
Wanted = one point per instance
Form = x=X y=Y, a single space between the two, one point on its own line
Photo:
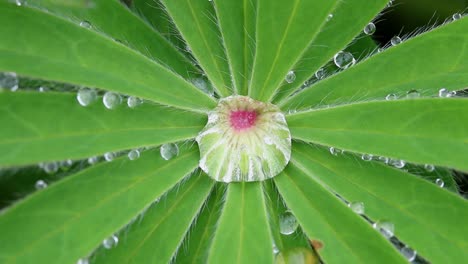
x=369 y=29
x=133 y=154
x=384 y=159
x=40 y=184
x=395 y=40
x=169 y=151
x=412 y=94
x=397 y=163
x=429 y=167
x=86 y=96
x=93 y=160
x=83 y=261
x=386 y=228
x=440 y=182
x=133 y=101
x=111 y=100
x=43 y=89
x=443 y=92
x=50 y=167
x=290 y=77
x=344 y=59
x=329 y=17
x=110 y=242
x=335 y=151
x=66 y=164
x=9 y=80
x=390 y=97
x=380 y=50
x=357 y=207
x=109 y=156
x=288 y=223
x=320 y=73
x=85 y=24
x=456 y=16
x=275 y=249
x=408 y=253
x=367 y=157
x=20 y=2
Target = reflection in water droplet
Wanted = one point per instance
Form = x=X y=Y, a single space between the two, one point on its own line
x=288 y=223
x=429 y=167
x=133 y=154
x=367 y=157
x=357 y=207
x=51 y=167
x=395 y=40
x=412 y=94
x=344 y=59
x=85 y=24
x=110 y=242
x=369 y=29
x=440 y=182
x=109 y=156
x=133 y=101
x=40 y=184
x=391 y=97
x=111 y=100
x=408 y=253
x=9 y=80
x=86 y=96
x=386 y=228
x=169 y=151
x=290 y=77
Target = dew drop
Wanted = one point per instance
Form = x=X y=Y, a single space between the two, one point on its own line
x=380 y=50
x=40 y=184
x=390 y=3
x=111 y=100
x=395 y=40
x=412 y=94
x=275 y=249
x=320 y=73
x=408 y=253
x=169 y=151
x=367 y=157
x=51 y=167
x=20 y=2
x=83 y=261
x=86 y=96
x=133 y=154
x=110 y=242
x=329 y=17
x=386 y=228
x=66 y=164
x=397 y=163
x=9 y=80
x=456 y=16
x=446 y=93
x=384 y=159
x=290 y=77
x=133 y=101
x=334 y=151
x=440 y=182
x=344 y=59
x=391 y=97
x=43 y=89
x=429 y=167
x=288 y=223
x=357 y=207
x=85 y=24
x=369 y=29
x=109 y=156
x=93 y=160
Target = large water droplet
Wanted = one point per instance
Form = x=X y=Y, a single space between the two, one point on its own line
x=290 y=77
x=111 y=100
x=169 y=151
x=288 y=223
x=110 y=242
x=85 y=24
x=440 y=182
x=412 y=94
x=109 y=156
x=93 y=160
x=344 y=59
x=9 y=80
x=397 y=163
x=320 y=73
x=408 y=253
x=391 y=97
x=367 y=157
x=40 y=184
x=50 y=167
x=369 y=29
x=357 y=207
x=429 y=167
x=385 y=227
x=395 y=40
x=133 y=101
x=133 y=154
x=83 y=261
x=456 y=16
x=86 y=96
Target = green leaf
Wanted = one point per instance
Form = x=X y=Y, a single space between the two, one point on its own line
x=197 y=243
x=426 y=217
x=426 y=63
x=115 y=20
x=237 y=23
x=284 y=31
x=349 y=19
x=432 y=131
x=438 y=173
x=243 y=227
x=54 y=126
x=196 y=21
x=74 y=54
x=156 y=237
x=345 y=237
x=67 y=220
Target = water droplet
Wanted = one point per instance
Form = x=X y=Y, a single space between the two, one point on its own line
x=268 y=140
x=446 y=93
x=408 y=253
x=412 y=94
x=110 y=242
x=109 y=156
x=83 y=261
x=320 y=73
x=357 y=207
x=390 y=97
x=344 y=59
x=93 y=160
x=397 y=163
x=133 y=101
x=335 y=151
x=384 y=159
x=386 y=228
x=329 y=17
x=50 y=167
x=9 y=80
x=275 y=249
x=85 y=24
x=86 y=96
x=66 y=164
x=288 y=223
x=43 y=89
x=440 y=182
x=290 y=77
x=111 y=100
x=133 y=154
x=390 y=3
x=429 y=167
x=40 y=184
x=20 y=2
x=456 y=16
x=369 y=29
x=395 y=40
x=169 y=151
x=367 y=157
x=380 y=50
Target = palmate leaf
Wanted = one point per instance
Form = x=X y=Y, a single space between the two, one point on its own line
x=67 y=220
x=74 y=54
x=53 y=127
x=428 y=218
x=424 y=131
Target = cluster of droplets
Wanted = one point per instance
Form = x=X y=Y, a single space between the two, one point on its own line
x=111 y=100
x=414 y=94
x=51 y=168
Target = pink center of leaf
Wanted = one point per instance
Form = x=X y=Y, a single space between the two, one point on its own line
x=242 y=119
